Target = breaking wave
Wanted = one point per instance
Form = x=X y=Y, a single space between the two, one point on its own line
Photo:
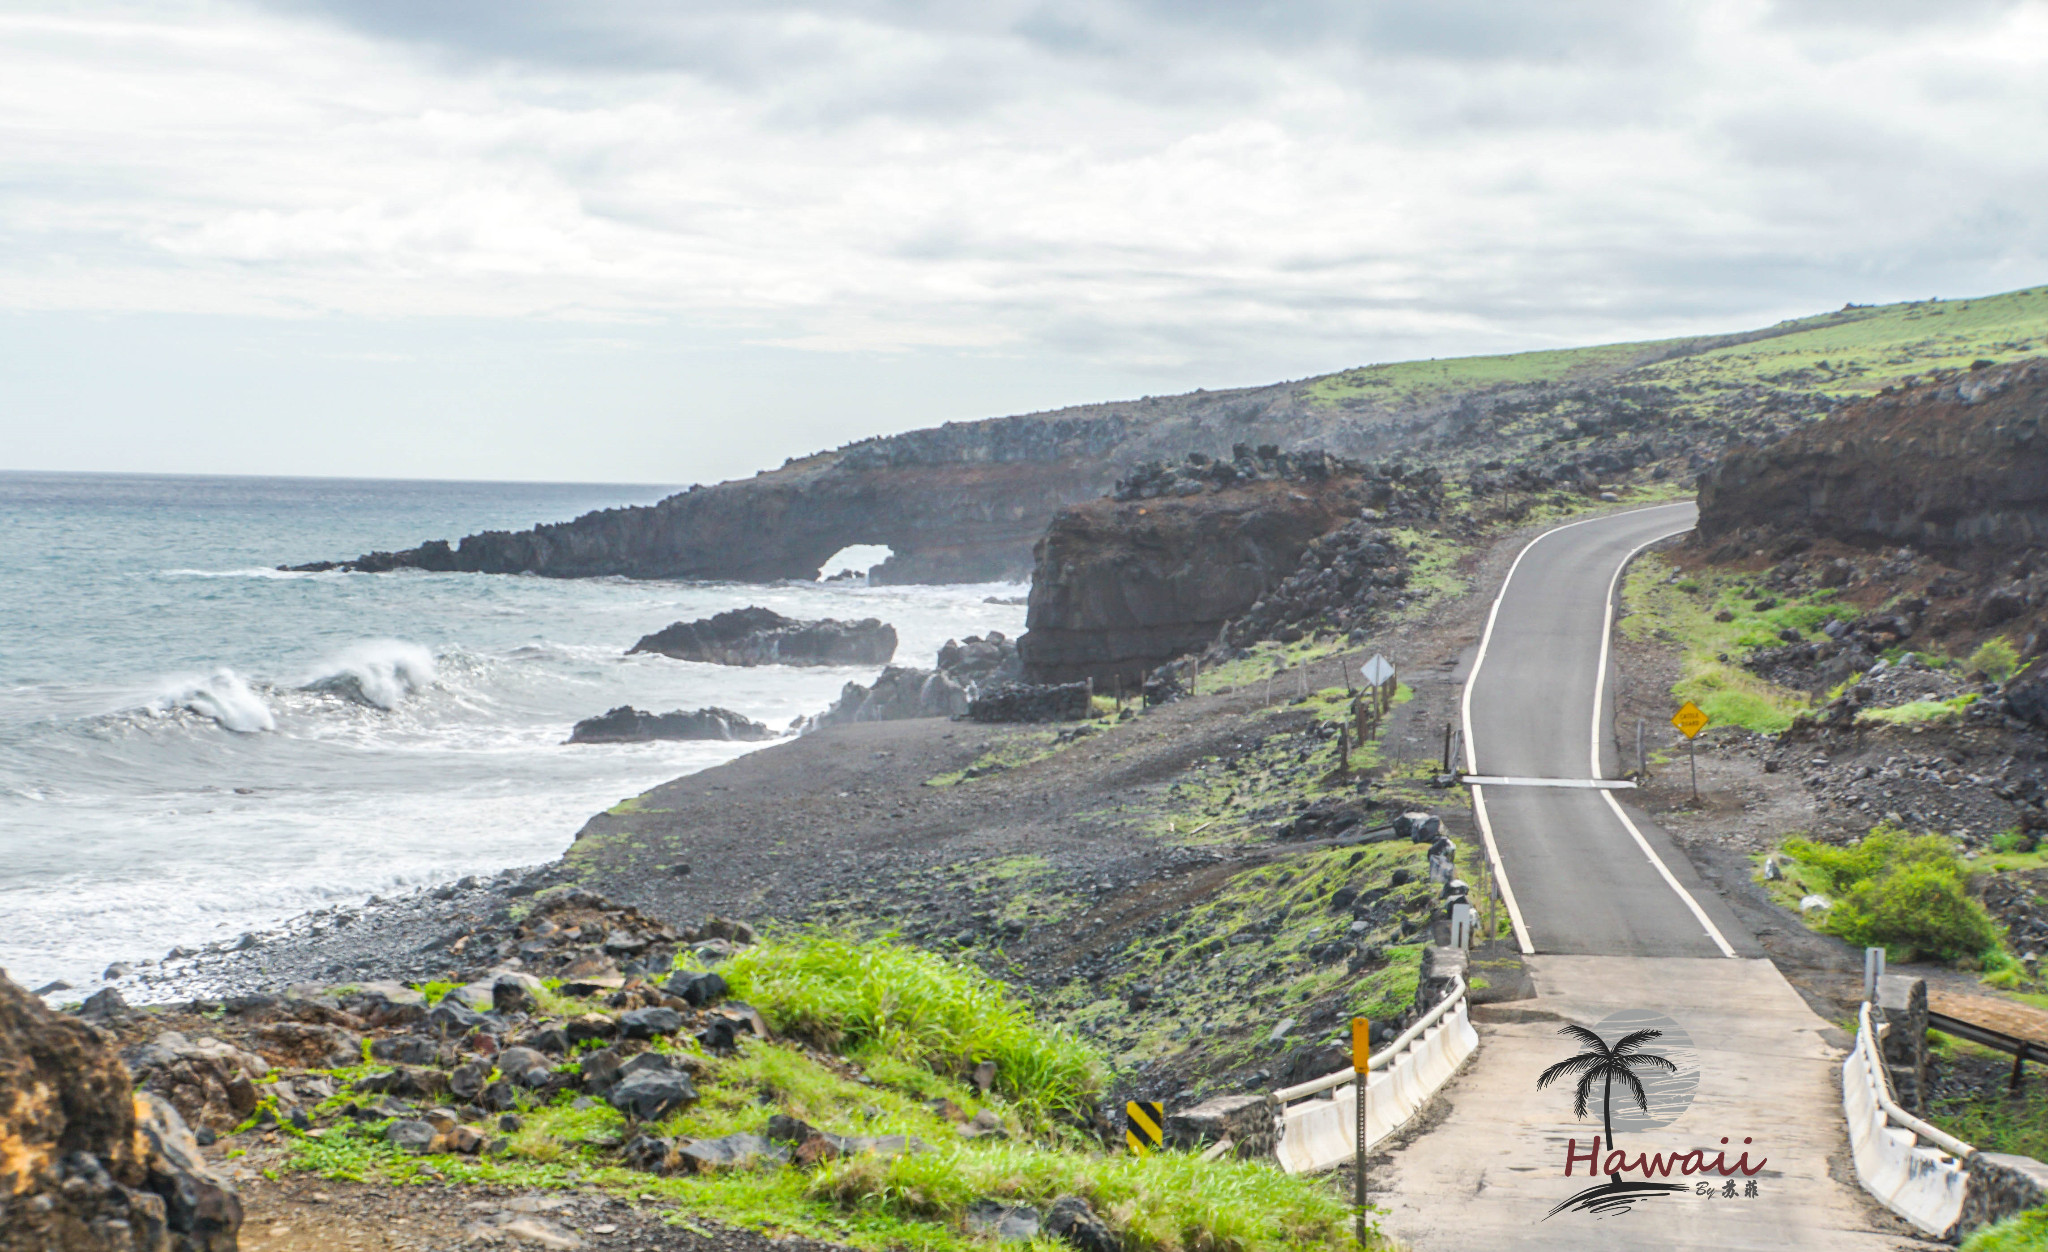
x=380 y=673
x=225 y=698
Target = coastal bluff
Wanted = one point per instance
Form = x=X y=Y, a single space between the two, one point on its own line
x=959 y=503
x=1156 y=570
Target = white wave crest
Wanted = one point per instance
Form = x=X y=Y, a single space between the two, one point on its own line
x=225 y=698
x=378 y=672
x=258 y=571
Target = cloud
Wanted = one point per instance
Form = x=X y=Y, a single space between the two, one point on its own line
x=1186 y=186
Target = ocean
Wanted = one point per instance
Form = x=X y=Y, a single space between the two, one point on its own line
x=194 y=744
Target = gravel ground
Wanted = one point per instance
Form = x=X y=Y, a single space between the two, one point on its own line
x=301 y=1213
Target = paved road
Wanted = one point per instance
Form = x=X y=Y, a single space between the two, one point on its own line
x=1620 y=926
x=1588 y=874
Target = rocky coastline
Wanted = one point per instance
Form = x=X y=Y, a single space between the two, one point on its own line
x=758 y=636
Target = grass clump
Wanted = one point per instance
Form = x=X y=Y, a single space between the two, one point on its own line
x=1169 y=1202
x=1906 y=892
x=879 y=998
x=1685 y=612
x=2022 y=1232
x=1996 y=659
x=1918 y=712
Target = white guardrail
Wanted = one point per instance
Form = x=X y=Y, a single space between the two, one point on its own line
x=1924 y=1185
x=1318 y=1133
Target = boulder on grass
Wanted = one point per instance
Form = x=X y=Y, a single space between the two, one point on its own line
x=650 y=1095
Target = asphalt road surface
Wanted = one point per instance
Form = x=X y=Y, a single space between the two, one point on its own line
x=1584 y=872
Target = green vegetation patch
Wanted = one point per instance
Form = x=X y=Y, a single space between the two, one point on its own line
x=905 y=1024
x=881 y=998
x=1663 y=607
x=1405 y=383
x=1271 y=943
x=2022 y=1232
x=1859 y=351
x=1906 y=892
x=1997 y=1119
x=1019 y=749
x=1918 y=712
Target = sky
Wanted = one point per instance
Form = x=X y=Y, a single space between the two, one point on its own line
x=635 y=241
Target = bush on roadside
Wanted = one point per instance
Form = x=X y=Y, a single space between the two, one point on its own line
x=880 y=998
x=1907 y=892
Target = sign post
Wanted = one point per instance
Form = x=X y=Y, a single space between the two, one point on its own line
x=1361 y=1064
x=1690 y=722
x=1144 y=1126
x=1379 y=676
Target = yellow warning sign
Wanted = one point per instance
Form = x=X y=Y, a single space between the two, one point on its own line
x=1361 y=1044
x=1144 y=1126
x=1689 y=720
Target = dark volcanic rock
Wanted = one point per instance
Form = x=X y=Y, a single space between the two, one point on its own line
x=963 y=671
x=650 y=1095
x=626 y=724
x=79 y=1149
x=1124 y=585
x=965 y=501
x=959 y=503
x=1032 y=702
x=757 y=636
x=1961 y=463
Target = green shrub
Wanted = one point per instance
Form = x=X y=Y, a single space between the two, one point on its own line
x=2013 y=840
x=880 y=998
x=1997 y=658
x=2022 y=1232
x=1909 y=893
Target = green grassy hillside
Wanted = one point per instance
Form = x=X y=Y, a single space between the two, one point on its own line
x=1855 y=350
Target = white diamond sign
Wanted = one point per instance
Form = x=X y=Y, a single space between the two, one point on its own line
x=1378 y=670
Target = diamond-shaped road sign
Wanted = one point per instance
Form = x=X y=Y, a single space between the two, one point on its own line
x=1378 y=670
x=1689 y=720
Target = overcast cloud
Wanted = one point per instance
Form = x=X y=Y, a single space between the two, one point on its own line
x=627 y=240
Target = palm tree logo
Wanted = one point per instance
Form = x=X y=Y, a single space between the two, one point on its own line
x=1605 y=1065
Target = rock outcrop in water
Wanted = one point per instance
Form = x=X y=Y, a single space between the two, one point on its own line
x=1125 y=584
x=87 y=1163
x=627 y=724
x=757 y=636
x=948 y=690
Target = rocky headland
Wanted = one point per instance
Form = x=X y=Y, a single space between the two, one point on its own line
x=758 y=636
x=966 y=501
x=1126 y=583
x=627 y=724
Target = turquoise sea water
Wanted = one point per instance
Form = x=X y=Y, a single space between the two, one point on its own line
x=193 y=744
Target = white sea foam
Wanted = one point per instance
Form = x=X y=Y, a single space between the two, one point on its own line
x=379 y=672
x=224 y=697
x=256 y=571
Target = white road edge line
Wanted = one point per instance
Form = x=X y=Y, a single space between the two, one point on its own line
x=1583 y=784
x=1507 y=891
x=1599 y=706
